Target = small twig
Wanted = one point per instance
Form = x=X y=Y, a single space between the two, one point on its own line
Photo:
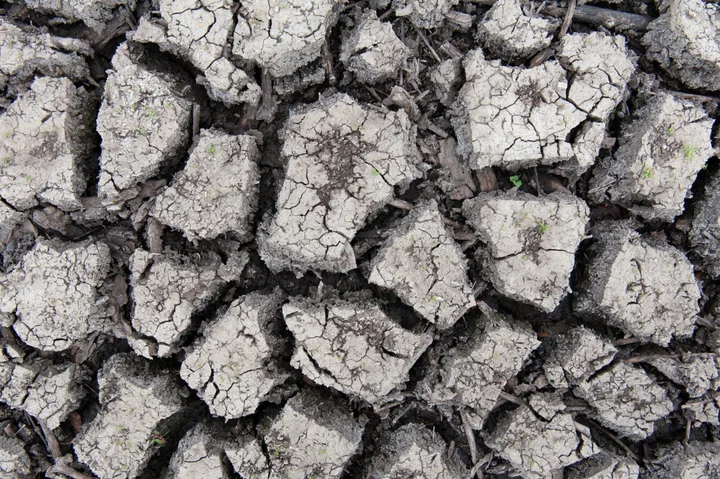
x=51 y=441
x=401 y=204
x=567 y=21
x=614 y=439
x=427 y=44
x=476 y=472
x=537 y=183
x=626 y=341
x=541 y=57
x=510 y=398
x=196 y=120
x=53 y=447
x=328 y=59
x=470 y=437
x=642 y=359
x=688 y=427
x=67 y=471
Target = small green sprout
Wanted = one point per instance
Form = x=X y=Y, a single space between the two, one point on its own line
x=375 y=172
x=670 y=130
x=158 y=439
x=704 y=167
x=647 y=173
x=515 y=180
x=689 y=151
x=543 y=226
x=212 y=149
x=143 y=130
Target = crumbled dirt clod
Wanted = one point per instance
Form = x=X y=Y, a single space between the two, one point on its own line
x=685 y=41
x=424 y=13
x=506 y=31
x=626 y=399
x=694 y=459
x=659 y=156
x=645 y=287
x=704 y=410
x=698 y=374
x=473 y=375
x=424 y=266
x=93 y=13
x=603 y=465
x=705 y=233
x=373 y=52
x=233 y=366
x=535 y=446
x=217 y=191
x=56 y=293
x=315 y=435
x=247 y=457
x=168 y=290
x=144 y=124
x=576 y=355
x=47 y=135
x=414 y=451
x=14 y=460
x=138 y=409
x=352 y=346
x=531 y=243
x=344 y=161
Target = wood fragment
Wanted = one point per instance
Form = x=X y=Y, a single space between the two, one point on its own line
x=469 y=434
x=541 y=57
x=567 y=20
x=328 y=60
x=463 y=21
x=196 y=120
x=427 y=44
x=476 y=472
x=60 y=466
x=614 y=439
x=401 y=204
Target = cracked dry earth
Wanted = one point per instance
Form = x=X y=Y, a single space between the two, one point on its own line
x=322 y=239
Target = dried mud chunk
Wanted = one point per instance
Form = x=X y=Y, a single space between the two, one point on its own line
x=217 y=191
x=698 y=373
x=137 y=405
x=373 y=52
x=314 y=436
x=42 y=389
x=531 y=243
x=47 y=135
x=168 y=290
x=95 y=14
x=26 y=51
x=424 y=266
x=685 y=41
x=56 y=293
x=14 y=461
x=344 y=161
x=144 y=124
x=233 y=365
x=415 y=451
x=576 y=355
x=695 y=460
x=473 y=375
x=646 y=288
x=447 y=79
x=424 y=13
x=706 y=410
x=601 y=67
x=604 y=466
x=506 y=31
x=535 y=447
x=658 y=159
x=626 y=399
x=705 y=233
x=283 y=35
x=352 y=346
x=248 y=458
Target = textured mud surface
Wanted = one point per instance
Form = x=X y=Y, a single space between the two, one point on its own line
x=322 y=239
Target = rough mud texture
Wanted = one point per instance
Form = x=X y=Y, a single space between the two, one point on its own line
x=705 y=233
x=344 y=160
x=699 y=374
x=314 y=436
x=47 y=135
x=473 y=376
x=137 y=406
x=531 y=243
x=660 y=154
x=352 y=346
x=234 y=365
x=575 y=356
x=645 y=287
x=56 y=293
x=685 y=41
x=425 y=267
x=217 y=191
x=626 y=399
x=604 y=466
x=168 y=290
x=144 y=124
x=94 y=14
x=14 y=461
x=373 y=52
x=423 y=13
x=247 y=457
x=507 y=32
x=536 y=446
x=414 y=451
x=696 y=459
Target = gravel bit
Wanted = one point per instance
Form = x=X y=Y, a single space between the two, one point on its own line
x=575 y=356
x=603 y=465
x=696 y=459
x=705 y=233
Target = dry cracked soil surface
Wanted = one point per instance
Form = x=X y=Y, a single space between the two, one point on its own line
x=333 y=239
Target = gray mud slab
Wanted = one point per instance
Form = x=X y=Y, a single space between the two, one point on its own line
x=603 y=465
x=344 y=161
x=695 y=459
x=93 y=13
x=234 y=365
x=705 y=233
x=645 y=287
x=698 y=374
x=423 y=13
x=576 y=355
x=57 y=293
x=247 y=457
x=353 y=346
x=424 y=266
x=138 y=408
x=46 y=138
x=217 y=191
x=14 y=460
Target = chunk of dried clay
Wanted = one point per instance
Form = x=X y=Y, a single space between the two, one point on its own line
x=659 y=156
x=168 y=290
x=217 y=192
x=603 y=465
x=352 y=346
x=314 y=435
x=575 y=356
x=144 y=123
x=424 y=13
x=705 y=233
x=698 y=373
x=344 y=162
x=93 y=13
x=234 y=364
x=47 y=136
x=626 y=399
x=424 y=266
x=695 y=459
x=138 y=407
x=14 y=460
x=644 y=287
x=58 y=293
x=531 y=243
